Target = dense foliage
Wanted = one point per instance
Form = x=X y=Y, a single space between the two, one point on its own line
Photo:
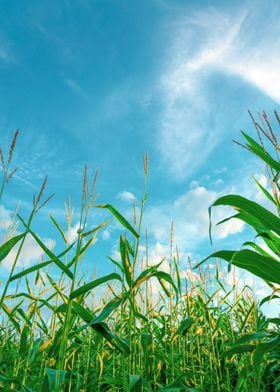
x=152 y=329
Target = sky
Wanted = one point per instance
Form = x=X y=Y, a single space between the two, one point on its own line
x=104 y=82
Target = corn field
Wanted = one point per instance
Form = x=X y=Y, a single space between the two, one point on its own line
x=141 y=328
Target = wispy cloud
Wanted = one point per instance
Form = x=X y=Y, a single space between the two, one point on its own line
x=208 y=43
x=76 y=88
x=26 y=182
x=6 y=53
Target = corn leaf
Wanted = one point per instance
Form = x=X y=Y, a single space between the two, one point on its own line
x=183 y=327
x=95 y=283
x=39 y=266
x=238 y=350
x=264 y=267
x=120 y=218
x=126 y=264
x=101 y=328
x=266 y=218
x=8 y=245
x=262 y=349
x=59 y=228
x=258 y=150
x=52 y=256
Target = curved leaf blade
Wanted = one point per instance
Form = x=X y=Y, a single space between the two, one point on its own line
x=8 y=245
x=95 y=283
x=120 y=218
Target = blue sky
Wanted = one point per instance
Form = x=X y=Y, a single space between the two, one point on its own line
x=104 y=82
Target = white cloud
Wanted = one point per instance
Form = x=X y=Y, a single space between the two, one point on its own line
x=259 y=289
x=72 y=234
x=189 y=212
x=159 y=253
x=31 y=252
x=127 y=196
x=106 y=235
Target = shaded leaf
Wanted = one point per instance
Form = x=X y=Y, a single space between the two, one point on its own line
x=238 y=350
x=183 y=327
x=135 y=383
x=101 y=328
x=126 y=264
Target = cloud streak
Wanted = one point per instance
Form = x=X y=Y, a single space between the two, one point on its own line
x=208 y=43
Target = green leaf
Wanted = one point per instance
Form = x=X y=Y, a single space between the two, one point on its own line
x=146 y=274
x=95 y=229
x=252 y=336
x=106 y=311
x=135 y=383
x=8 y=245
x=271 y=240
x=129 y=248
x=10 y=313
x=274 y=320
x=258 y=150
x=165 y=277
x=95 y=283
x=126 y=264
x=238 y=350
x=31 y=269
x=179 y=284
x=59 y=228
x=38 y=266
x=146 y=341
x=183 y=327
x=262 y=349
x=267 y=219
x=25 y=317
x=256 y=247
x=117 y=264
x=84 y=313
x=49 y=383
x=109 y=308
x=268 y=298
x=101 y=328
x=264 y=267
x=265 y=191
x=247 y=218
x=120 y=218
x=52 y=256
x=40 y=300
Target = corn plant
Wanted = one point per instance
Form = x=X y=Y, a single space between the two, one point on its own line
x=261 y=255
x=55 y=335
